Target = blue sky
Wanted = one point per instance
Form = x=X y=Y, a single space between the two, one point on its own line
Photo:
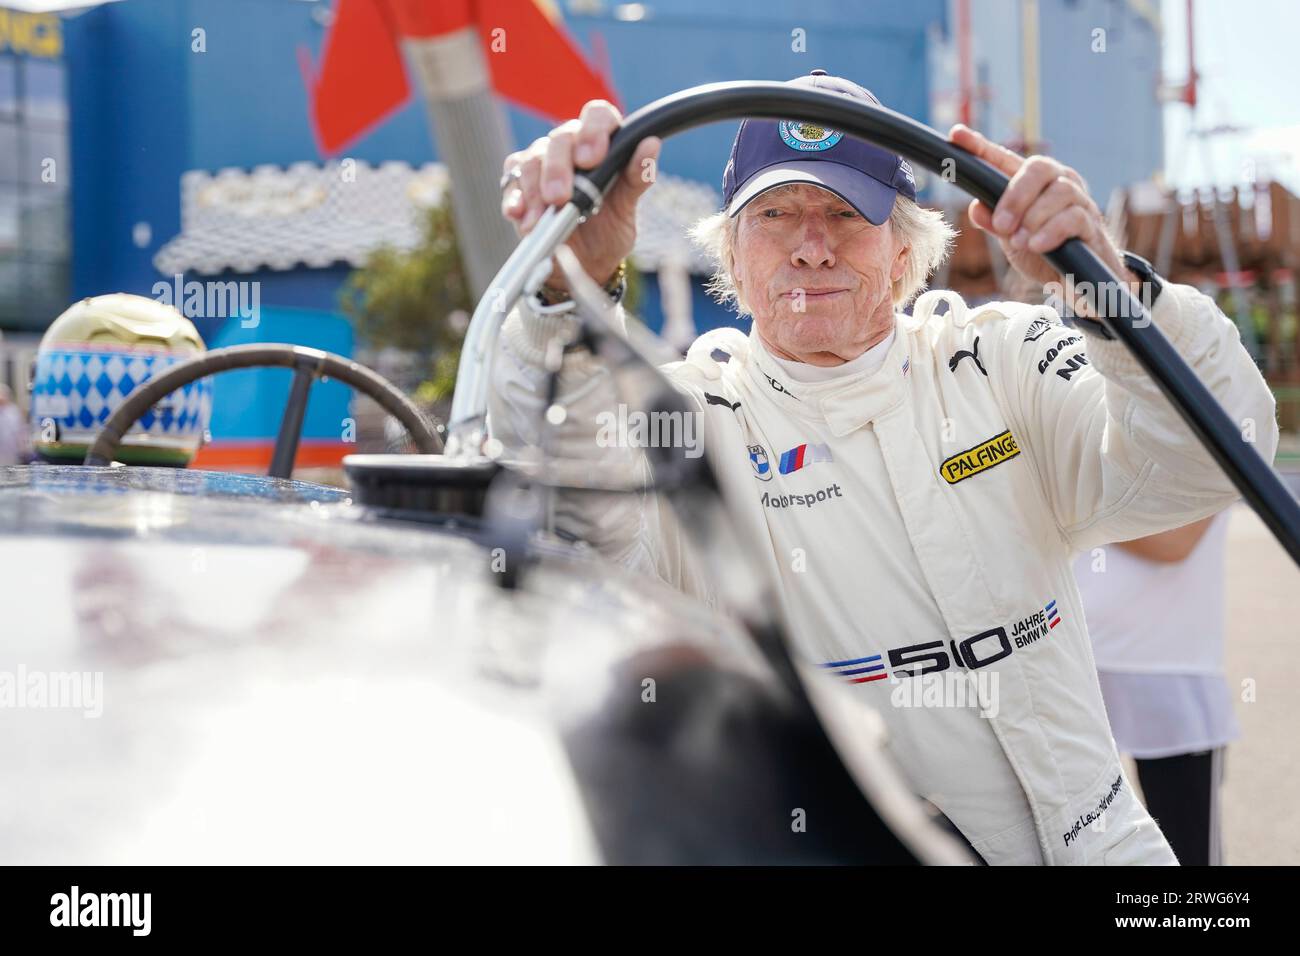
x=1247 y=55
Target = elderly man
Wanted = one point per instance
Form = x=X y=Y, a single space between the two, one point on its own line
x=921 y=480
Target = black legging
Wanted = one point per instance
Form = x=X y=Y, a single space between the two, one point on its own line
x=1182 y=794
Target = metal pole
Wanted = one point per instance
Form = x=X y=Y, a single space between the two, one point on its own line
x=473 y=141
x=1032 y=123
x=286 y=442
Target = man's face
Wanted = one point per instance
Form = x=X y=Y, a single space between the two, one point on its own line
x=815 y=274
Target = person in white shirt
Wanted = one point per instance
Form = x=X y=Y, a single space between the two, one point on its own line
x=1155 y=609
x=916 y=484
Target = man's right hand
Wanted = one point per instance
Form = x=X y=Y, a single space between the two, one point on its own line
x=546 y=179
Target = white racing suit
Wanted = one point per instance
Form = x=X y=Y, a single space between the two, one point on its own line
x=921 y=520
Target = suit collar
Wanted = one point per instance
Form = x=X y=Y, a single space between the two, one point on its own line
x=844 y=404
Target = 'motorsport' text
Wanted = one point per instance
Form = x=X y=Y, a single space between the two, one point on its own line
x=801 y=501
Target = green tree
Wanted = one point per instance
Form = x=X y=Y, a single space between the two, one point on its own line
x=406 y=300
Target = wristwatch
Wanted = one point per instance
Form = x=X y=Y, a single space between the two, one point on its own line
x=1146 y=272
x=615 y=288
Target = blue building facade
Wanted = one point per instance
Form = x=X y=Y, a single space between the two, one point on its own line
x=1094 y=75
x=34 y=170
x=157 y=88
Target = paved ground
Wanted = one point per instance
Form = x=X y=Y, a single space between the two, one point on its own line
x=1261 y=805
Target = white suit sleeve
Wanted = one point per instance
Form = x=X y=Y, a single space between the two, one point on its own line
x=639 y=531
x=1115 y=459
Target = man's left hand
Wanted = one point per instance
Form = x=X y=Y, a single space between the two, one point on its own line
x=1045 y=204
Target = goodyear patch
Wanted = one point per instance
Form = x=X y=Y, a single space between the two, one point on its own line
x=982 y=457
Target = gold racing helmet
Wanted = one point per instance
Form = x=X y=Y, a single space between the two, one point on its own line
x=93 y=356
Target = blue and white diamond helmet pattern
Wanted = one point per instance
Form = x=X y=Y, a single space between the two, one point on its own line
x=93 y=356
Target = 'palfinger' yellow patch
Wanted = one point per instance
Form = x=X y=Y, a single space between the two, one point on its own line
x=982 y=457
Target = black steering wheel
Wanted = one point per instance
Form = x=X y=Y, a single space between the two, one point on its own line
x=308 y=364
x=1118 y=314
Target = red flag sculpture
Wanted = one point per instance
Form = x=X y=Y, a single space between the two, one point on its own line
x=363 y=77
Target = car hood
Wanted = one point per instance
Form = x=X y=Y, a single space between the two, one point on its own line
x=208 y=668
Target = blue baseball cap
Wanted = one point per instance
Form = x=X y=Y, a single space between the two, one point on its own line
x=771 y=153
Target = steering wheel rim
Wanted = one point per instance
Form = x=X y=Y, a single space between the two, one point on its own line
x=1128 y=320
x=308 y=365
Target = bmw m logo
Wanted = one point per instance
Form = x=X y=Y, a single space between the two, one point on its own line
x=762 y=467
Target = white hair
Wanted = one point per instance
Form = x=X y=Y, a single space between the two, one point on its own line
x=924 y=232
